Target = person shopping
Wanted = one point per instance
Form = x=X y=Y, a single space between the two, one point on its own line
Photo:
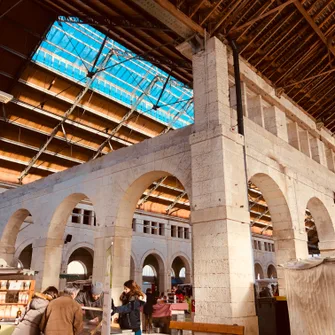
x=92 y=298
x=30 y=322
x=132 y=298
x=148 y=310
x=63 y=316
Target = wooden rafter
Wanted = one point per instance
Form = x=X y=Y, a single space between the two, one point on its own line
x=317 y=30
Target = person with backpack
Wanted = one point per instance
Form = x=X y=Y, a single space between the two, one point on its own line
x=30 y=322
x=132 y=298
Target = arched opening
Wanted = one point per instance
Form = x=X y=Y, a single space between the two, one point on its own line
x=318 y=225
x=181 y=270
x=81 y=258
x=270 y=220
x=161 y=193
x=18 y=221
x=149 y=277
x=153 y=273
x=76 y=268
x=25 y=256
x=272 y=272
x=259 y=274
x=76 y=210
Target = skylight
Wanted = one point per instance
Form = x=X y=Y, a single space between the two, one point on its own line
x=70 y=50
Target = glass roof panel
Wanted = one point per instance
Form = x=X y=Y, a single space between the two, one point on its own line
x=70 y=50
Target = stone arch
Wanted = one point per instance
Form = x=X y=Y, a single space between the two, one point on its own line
x=25 y=256
x=132 y=183
x=10 y=233
x=134 y=191
x=159 y=266
x=85 y=256
x=53 y=249
x=186 y=263
x=259 y=273
x=85 y=245
x=271 y=271
x=275 y=199
x=323 y=222
x=62 y=213
x=22 y=246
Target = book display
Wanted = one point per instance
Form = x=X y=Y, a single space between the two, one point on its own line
x=16 y=291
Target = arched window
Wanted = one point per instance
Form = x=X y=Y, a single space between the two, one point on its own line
x=182 y=273
x=272 y=272
x=76 y=268
x=148 y=271
x=259 y=271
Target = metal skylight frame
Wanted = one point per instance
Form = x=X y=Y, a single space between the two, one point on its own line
x=56 y=52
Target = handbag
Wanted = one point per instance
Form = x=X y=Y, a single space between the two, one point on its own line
x=124 y=318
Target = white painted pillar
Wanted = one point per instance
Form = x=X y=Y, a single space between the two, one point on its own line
x=222 y=253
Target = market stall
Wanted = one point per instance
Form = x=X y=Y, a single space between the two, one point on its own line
x=16 y=291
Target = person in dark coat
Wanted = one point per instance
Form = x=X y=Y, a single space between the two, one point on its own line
x=63 y=316
x=30 y=322
x=148 y=310
x=132 y=299
x=92 y=298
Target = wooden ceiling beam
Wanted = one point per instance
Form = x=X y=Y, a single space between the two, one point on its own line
x=180 y=16
x=262 y=16
x=196 y=8
x=315 y=27
x=59 y=138
x=278 y=41
x=36 y=149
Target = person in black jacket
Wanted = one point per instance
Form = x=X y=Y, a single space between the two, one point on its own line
x=148 y=310
x=132 y=299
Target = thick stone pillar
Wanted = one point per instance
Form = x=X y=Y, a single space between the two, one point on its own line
x=112 y=250
x=222 y=252
x=47 y=260
x=290 y=245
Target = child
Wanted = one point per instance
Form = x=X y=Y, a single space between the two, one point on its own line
x=132 y=299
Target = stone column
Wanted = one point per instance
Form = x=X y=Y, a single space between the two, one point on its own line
x=47 y=260
x=222 y=252
x=112 y=252
x=290 y=245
